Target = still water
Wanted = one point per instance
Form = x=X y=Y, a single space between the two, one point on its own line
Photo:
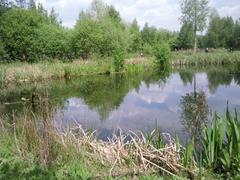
x=179 y=102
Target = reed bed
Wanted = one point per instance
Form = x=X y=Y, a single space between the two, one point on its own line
x=117 y=151
x=125 y=154
x=24 y=72
x=222 y=57
x=36 y=146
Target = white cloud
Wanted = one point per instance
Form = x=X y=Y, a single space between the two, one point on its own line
x=160 y=13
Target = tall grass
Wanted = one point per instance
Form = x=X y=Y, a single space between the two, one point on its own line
x=24 y=72
x=201 y=58
x=32 y=147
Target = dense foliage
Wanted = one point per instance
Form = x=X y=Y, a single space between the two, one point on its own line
x=186 y=36
x=223 y=32
x=162 y=54
x=29 y=33
x=195 y=12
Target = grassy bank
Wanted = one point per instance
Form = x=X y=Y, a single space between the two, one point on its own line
x=25 y=72
x=216 y=57
x=33 y=148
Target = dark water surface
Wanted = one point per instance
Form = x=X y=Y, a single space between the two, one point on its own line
x=141 y=101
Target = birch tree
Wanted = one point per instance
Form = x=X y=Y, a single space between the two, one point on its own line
x=195 y=12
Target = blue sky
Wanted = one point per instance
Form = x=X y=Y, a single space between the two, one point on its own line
x=160 y=13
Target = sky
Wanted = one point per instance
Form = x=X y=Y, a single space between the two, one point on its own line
x=159 y=13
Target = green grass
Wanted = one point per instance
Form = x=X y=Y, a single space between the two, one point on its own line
x=28 y=154
x=24 y=72
x=19 y=72
x=217 y=57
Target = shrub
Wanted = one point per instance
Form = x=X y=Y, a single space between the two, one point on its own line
x=20 y=41
x=162 y=54
x=118 y=60
x=2 y=51
x=147 y=49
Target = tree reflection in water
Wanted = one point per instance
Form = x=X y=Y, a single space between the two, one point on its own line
x=194 y=113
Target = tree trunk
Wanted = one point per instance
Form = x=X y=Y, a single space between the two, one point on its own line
x=195 y=42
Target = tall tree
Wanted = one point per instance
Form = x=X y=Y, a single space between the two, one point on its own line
x=227 y=32
x=53 y=17
x=149 y=34
x=186 y=36
x=213 y=33
x=114 y=15
x=195 y=12
x=135 y=37
x=237 y=35
x=97 y=9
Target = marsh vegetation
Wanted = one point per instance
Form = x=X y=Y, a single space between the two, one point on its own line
x=109 y=99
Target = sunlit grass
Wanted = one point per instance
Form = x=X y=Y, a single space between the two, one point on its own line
x=24 y=72
x=218 y=57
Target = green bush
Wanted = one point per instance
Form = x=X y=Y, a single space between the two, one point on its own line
x=147 y=49
x=118 y=60
x=162 y=54
x=28 y=35
x=2 y=51
x=101 y=37
x=19 y=33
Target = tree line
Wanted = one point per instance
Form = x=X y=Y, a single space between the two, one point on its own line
x=29 y=33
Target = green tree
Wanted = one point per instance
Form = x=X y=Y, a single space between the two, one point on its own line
x=54 y=42
x=30 y=35
x=99 y=31
x=227 y=32
x=97 y=9
x=149 y=34
x=162 y=53
x=214 y=31
x=220 y=32
x=237 y=35
x=86 y=38
x=19 y=32
x=114 y=15
x=53 y=17
x=2 y=51
x=135 y=37
x=186 y=36
x=195 y=12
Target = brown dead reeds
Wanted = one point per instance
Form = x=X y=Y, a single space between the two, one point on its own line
x=123 y=155
x=143 y=156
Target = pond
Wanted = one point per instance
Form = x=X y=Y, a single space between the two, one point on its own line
x=180 y=102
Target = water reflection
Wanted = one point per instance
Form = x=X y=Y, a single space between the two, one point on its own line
x=131 y=101
x=194 y=113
